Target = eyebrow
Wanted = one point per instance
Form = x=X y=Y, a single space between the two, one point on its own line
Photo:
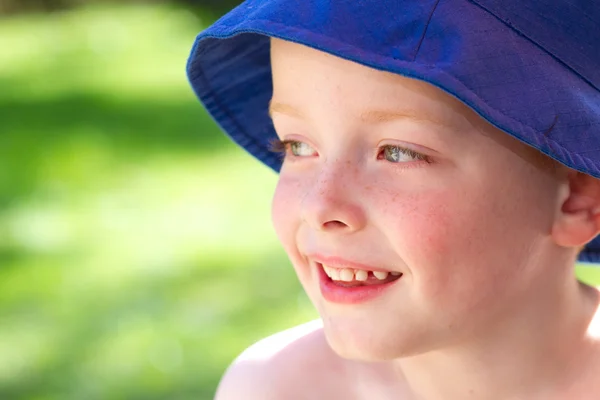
x=367 y=116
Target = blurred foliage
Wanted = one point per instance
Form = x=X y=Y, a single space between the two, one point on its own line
x=129 y=267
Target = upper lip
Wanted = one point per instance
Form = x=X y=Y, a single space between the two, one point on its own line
x=338 y=262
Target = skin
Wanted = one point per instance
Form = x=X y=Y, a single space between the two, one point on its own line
x=484 y=229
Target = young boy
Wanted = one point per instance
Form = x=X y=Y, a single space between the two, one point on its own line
x=436 y=186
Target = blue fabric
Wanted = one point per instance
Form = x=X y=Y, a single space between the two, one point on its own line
x=531 y=68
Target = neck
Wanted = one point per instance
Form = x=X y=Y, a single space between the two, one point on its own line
x=537 y=350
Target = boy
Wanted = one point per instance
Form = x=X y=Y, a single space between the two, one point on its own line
x=437 y=181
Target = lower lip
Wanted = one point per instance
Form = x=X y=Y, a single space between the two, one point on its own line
x=350 y=295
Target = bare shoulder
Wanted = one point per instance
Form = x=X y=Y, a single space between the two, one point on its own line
x=280 y=366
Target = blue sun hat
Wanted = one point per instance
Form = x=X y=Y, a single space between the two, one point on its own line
x=531 y=68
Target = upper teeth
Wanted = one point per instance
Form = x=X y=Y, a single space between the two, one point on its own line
x=348 y=275
x=380 y=275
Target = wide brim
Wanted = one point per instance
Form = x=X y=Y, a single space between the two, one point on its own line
x=512 y=82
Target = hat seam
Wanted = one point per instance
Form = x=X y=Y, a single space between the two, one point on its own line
x=425 y=30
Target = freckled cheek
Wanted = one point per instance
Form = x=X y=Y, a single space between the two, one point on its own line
x=424 y=222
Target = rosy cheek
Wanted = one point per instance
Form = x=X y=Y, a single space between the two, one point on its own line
x=426 y=222
x=433 y=232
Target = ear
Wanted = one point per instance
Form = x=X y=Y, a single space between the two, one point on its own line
x=579 y=218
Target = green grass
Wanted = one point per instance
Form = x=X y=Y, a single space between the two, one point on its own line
x=129 y=265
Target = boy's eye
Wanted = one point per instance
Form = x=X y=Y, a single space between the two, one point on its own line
x=292 y=147
x=301 y=149
x=397 y=154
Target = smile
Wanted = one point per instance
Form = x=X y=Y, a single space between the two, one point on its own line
x=358 y=277
x=352 y=286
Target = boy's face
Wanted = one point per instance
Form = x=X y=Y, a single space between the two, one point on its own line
x=466 y=223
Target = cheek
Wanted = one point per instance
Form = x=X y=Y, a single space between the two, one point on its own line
x=420 y=223
x=445 y=239
x=469 y=242
x=284 y=210
x=286 y=217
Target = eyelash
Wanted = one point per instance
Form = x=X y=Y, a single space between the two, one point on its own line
x=282 y=147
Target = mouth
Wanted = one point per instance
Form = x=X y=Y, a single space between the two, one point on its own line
x=351 y=286
x=346 y=277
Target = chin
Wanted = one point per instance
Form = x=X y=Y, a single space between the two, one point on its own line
x=373 y=343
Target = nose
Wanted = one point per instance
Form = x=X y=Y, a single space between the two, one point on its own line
x=333 y=202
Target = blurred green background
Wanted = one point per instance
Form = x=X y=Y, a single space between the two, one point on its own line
x=129 y=267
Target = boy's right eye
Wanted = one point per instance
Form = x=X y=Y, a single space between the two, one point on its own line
x=292 y=147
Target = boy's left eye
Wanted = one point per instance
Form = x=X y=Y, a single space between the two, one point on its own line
x=301 y=149
x=397 y=154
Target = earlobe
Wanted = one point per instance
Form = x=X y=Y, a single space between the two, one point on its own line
x=579 y=219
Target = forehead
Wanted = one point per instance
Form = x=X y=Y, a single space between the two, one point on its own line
x=309 y=84
x=305 y=78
